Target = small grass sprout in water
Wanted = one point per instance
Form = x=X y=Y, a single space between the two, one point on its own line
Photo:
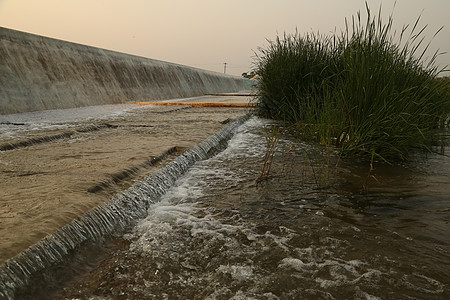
x=315 y=168
x=272 y=140
x=364 y=91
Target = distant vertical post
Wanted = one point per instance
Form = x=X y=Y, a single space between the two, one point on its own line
x=225 y=68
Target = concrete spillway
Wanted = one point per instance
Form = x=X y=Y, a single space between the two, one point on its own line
x=39 y=73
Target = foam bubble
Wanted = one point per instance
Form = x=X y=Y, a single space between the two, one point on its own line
x=237 y=272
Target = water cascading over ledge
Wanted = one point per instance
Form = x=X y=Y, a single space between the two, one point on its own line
x=40 y=73
x=120 y=212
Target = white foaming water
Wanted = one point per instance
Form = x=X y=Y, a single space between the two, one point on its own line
x=203 y=239
x=179 y=204
x=245 y=142
x=224 y=249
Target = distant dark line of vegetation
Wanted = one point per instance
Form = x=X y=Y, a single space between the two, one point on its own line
x=364 y=91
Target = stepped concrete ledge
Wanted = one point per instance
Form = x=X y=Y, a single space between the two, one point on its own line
x=97 y=173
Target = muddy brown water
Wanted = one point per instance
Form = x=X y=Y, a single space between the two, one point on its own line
x=220 y=234
x=312 y=230
x=46 y=184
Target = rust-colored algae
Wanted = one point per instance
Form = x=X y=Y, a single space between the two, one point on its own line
x=196 y=104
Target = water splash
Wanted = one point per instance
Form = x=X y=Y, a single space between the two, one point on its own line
x=204 y=241
x=115 y=215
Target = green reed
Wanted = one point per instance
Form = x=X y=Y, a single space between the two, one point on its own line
x=365 y=90
x=272 y=140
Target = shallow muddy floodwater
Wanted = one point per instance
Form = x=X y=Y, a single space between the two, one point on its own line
x=63 y=163
x=218 y=234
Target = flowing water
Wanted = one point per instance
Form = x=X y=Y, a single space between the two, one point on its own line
x=56 y=165
x=312 y=230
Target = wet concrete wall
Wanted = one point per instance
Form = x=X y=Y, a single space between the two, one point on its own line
x=40 y=73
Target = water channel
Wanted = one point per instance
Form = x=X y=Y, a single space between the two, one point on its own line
x=312 y=230
x=56 y=165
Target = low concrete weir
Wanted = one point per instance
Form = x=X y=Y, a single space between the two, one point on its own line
x=39 y=73
x=115 y=215
x=45 y=139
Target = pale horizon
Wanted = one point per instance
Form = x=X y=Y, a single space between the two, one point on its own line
x=208 y=33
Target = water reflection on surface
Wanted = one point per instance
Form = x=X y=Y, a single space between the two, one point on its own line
x=221 y=235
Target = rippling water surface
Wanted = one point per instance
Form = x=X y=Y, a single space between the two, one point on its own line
x=310 y=231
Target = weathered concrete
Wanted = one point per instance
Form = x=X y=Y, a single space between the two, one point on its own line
x=39 y=73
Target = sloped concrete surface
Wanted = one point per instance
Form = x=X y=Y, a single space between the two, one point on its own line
x=39 y=73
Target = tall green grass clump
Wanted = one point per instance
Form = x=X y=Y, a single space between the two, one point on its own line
x=292 y=67
x=365 y=91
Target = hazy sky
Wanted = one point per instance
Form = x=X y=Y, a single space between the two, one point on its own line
x=207 y=33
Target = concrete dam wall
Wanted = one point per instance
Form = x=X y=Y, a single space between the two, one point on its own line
x=40 y=73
